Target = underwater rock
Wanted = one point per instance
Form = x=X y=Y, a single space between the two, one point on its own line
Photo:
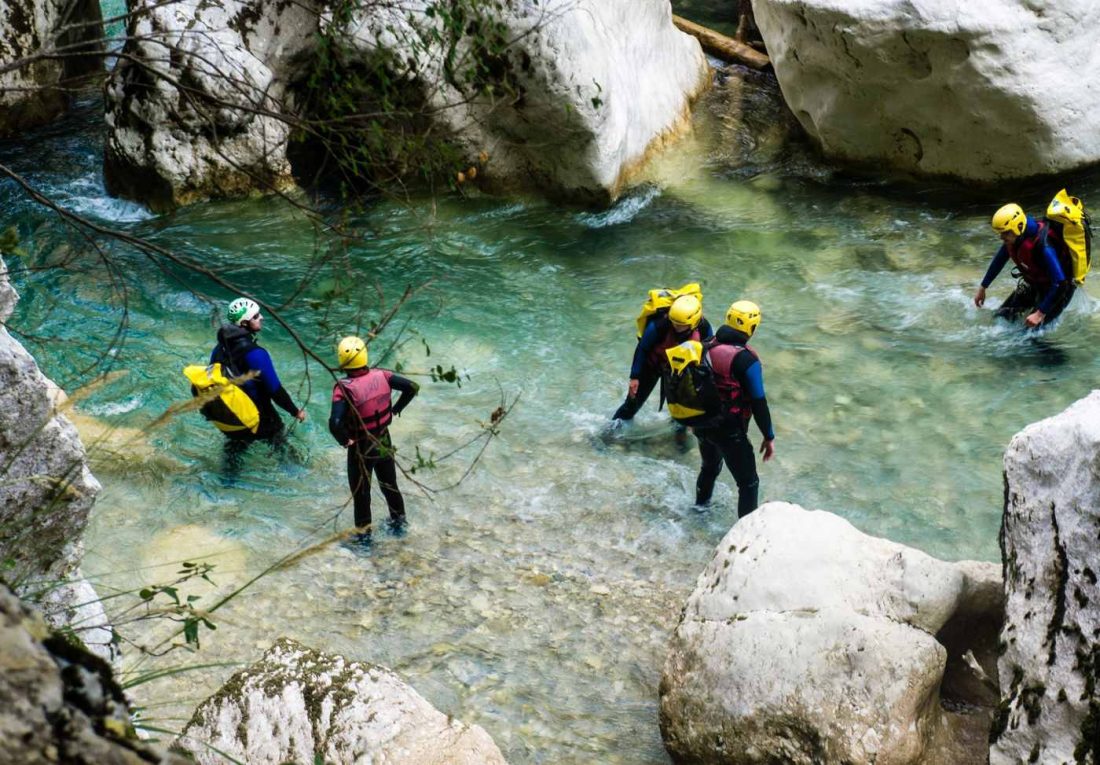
x=34 y=94
x=935 y=88
x=808 y=641
x=1050 y=709
x=47 y=490
x=59 y=703
x=587 y=91
x=300 y=705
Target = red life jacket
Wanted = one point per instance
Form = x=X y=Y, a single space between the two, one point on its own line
x=370 y=395
x=735 y=400
x=1025 y=253
x=657 y=358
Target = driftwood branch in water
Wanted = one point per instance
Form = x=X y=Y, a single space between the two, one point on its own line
x=721 y=46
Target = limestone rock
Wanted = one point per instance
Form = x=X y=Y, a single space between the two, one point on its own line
x=195 y=110
x=596 y=86
x=588 y=90
x=31 y=95
x=300 y=705
x=938 y=88
x=1050 y=668
x=59 y=703
x=807 y=641
x=47 y=491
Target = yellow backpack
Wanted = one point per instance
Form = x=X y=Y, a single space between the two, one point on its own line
x=1072 y=228
x=227 y=405
x=658 y=302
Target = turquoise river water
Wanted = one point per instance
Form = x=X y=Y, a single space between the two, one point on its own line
x=536 y=598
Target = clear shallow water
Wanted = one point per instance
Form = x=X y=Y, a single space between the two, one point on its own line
x=536 y=598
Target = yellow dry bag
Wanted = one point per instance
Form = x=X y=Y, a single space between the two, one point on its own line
x=227 y=405
x=659 y=301
x=1067 y=218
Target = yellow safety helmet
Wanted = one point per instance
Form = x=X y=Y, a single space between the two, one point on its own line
x=1011 y=217
x=686 y=310
x=352 y=353
x=680 y=356
x=744 y=315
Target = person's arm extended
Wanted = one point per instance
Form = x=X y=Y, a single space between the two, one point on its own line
x=407 y=388
x=995 y=266
x=646 y=344
x=1057 y=277
x=259 y=360
x=336 y=420
x=754 y=379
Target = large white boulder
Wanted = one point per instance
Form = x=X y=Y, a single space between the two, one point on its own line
x=588 y=90
x=300 y=705
x=46 y=492
x=979 y=91
x=584 y=92
x=195 y=109
x=1051 y=640
x=807 y=641
x=33 y=93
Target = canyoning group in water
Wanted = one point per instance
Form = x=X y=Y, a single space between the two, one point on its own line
x=712 y=381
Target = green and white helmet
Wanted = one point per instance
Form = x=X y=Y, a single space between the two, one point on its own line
x=242 y=309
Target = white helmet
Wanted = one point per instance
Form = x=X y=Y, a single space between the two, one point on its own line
x=241 y=310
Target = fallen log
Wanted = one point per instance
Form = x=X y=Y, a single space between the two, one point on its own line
x=721 y=46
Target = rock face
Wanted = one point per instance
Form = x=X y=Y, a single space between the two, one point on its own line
x=59 y=703
x=194 y=112
x=586 y=92
x=30 y=95
x=299 y=705
x=930 y=87
x=47 y=491
x=807 y=641
x=1050 y=668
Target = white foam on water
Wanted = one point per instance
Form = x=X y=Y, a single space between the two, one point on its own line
x=109 y=408
x=623 y=211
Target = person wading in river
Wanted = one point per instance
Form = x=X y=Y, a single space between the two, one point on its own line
x=362 y=410
x=1044 y=290
x=739 y=378
x=239 y=353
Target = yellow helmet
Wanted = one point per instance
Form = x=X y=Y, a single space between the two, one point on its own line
x=744 y=315
x=686 y=310
x=1011 y=217
x=352 y=353
x=680 y=356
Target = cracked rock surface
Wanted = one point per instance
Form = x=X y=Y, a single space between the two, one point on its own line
x=1050 y=710
x=300 y=705
x=807 y=641
x=938 y=88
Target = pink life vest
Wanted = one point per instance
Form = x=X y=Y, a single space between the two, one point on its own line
x=734 y=399
x=370 y=394
x=1024 y=255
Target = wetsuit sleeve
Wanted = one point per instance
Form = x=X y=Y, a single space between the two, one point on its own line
x=752 y=378
x=1057 y=277
x=336 y=419
x=995 y=266
x=259 y=360
x=706 y=332
x=407 y=388
x=647 y=343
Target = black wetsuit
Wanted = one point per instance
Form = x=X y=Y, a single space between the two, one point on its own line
x=371 y=454
x=726 y=439
x=642 y=367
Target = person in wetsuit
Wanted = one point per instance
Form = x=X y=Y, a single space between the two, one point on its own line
x=739 y=379
x=362 y=410
x=239 y=353
x=1044 y=289
x=683 y=322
